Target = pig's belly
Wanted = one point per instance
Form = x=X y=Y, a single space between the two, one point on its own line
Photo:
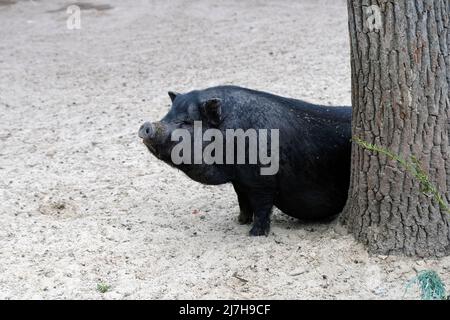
x=310 y=204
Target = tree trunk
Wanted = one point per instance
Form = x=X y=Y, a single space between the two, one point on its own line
x=400 y=62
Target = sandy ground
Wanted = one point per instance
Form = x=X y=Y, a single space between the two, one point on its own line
x=82 y=202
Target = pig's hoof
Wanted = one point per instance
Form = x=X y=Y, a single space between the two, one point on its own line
x=245 y=219
x=257 y=231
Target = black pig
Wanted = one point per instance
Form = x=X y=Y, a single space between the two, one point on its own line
x=311 y=177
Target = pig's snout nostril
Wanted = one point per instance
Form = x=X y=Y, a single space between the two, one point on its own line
x=146 y=131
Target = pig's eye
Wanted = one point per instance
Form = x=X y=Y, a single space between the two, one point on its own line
x=185 y=122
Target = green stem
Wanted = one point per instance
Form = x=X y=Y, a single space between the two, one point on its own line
x=413 y=167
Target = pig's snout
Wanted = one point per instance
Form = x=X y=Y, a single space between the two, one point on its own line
x=146 y=131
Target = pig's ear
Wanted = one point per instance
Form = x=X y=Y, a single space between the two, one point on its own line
x=173 y=95
x=212 y=110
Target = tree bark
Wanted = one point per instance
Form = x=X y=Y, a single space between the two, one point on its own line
x=400 y=97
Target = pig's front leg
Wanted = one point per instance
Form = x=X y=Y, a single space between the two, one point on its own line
x=262 y=203
x=245 y=209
